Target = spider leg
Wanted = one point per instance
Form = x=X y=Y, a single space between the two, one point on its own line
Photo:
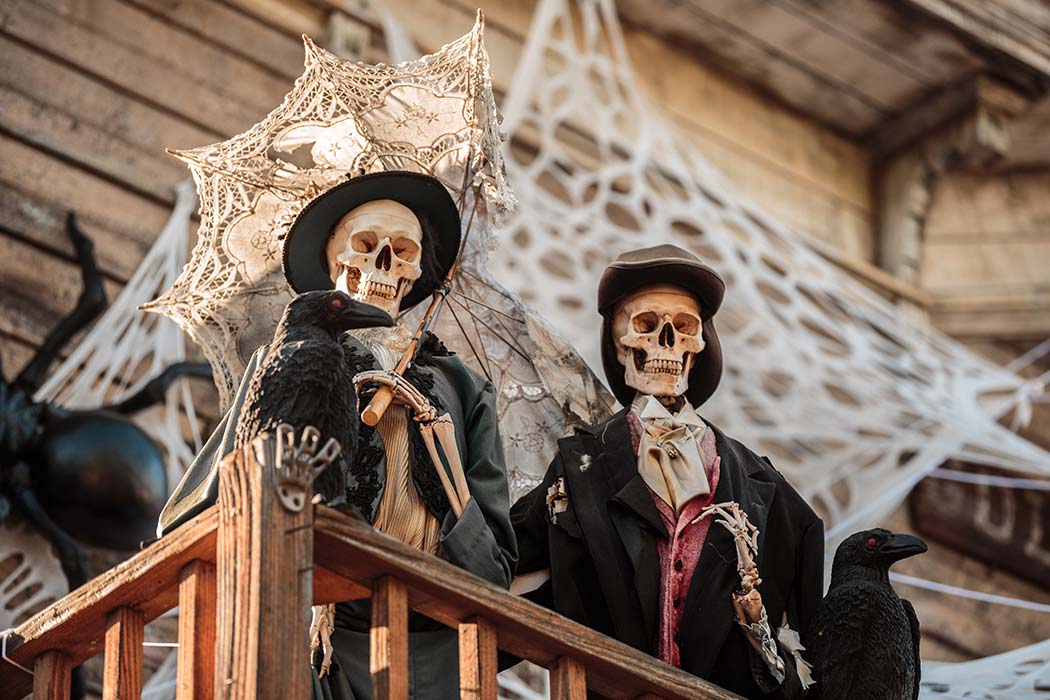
x=157 y=388
x=91 y=303
x=71 y=555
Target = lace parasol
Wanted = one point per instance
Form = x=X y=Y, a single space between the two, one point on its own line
x=436 y=115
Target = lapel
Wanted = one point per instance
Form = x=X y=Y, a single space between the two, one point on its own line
x=708 y=614
x=637 y=521
x=605 y=489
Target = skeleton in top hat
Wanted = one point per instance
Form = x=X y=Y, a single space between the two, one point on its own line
x=655 y=527
x=389 y=239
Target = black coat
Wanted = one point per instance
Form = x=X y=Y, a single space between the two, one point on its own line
x=602 y=555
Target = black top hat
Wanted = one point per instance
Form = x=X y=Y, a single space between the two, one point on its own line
x=663 y=264
x=305 y=263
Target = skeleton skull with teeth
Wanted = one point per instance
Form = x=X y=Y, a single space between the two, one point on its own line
x=375 y=253
x=658 y=334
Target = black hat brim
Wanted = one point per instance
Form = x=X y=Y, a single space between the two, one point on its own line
x=305 y=263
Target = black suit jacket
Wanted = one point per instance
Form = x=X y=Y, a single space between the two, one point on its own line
x=602 y=553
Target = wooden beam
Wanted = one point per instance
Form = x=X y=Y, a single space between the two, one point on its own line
x=997 y=27
x=478 y=665
x=148 y=581
x=388 y=641
x=196 y=670
x=907 y=180
x=264 y=558
x=51 y=676
x=450 y=595
x=122 y=674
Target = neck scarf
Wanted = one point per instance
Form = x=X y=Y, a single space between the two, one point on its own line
x=670 y=458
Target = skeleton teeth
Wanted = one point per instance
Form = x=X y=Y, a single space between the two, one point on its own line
x=383 y=291
x=663 y=367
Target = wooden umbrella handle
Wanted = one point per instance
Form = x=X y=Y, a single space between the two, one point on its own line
x=375 y=409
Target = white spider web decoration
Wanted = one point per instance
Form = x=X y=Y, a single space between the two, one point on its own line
x=1022 y=674
x=127 y=347
x=851 y=400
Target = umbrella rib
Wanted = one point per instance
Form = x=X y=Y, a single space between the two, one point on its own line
x=466 y=337
x=478 y=278
x=490 y=308
x=509 y=343
x=508 y=332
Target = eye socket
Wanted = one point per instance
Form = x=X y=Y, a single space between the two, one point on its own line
x=336 y=303
x=405 y=248
x=364 y=241
x=872 y=542
x=686 y=323
x=645 y=322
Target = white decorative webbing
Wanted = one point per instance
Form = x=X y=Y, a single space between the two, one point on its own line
x=1022 y=674
x=30 y=576
x=851 y=400
x=127 y=347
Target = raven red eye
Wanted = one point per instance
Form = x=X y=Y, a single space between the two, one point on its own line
x=872 y=541
x=337 y=303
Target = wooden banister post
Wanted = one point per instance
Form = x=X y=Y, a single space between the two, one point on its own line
x=389 y=640
x=568 y=680
x=51 y=676
x=196 y=675
x=122 y=665
x=478 y=663
x=264 y=572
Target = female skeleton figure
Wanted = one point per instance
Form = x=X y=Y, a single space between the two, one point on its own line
x=389 y=239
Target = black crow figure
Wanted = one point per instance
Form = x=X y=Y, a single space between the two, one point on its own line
x=864 y=640
x=303 y=378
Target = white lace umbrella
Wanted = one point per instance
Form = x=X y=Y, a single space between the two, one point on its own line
x=435 y=114
x=341 y=119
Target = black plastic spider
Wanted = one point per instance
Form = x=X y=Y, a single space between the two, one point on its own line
x=88 y=475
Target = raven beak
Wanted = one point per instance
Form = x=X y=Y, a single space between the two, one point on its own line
x=899 y=547
x=363 y=315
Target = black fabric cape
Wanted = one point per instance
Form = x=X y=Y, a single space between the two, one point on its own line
x=604 y=565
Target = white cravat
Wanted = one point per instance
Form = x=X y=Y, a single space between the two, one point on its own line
x=670 y=458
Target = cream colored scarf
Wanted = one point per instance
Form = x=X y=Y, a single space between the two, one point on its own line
x=670 y=458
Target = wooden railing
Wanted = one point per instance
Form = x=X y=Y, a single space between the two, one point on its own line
x=244 y=574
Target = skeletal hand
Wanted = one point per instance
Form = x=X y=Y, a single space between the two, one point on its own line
x=748 y=606
x=404 y=392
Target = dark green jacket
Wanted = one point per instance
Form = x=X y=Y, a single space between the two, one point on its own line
x=481 y=541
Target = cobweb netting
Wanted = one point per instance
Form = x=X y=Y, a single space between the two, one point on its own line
x=851 y=400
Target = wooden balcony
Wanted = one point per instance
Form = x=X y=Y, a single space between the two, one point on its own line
x=244 y=574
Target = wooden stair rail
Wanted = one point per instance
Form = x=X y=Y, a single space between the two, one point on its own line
x=244 y=574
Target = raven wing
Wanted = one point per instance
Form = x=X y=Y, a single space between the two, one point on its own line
x=837 y=640
x=913 y=621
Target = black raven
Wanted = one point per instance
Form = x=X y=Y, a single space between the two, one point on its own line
x=864 y=641
x=303 y=378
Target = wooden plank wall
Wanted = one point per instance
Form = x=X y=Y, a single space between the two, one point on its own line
x=985 y=256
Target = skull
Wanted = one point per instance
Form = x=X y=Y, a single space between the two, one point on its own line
x=375 y=253
x=658 y=333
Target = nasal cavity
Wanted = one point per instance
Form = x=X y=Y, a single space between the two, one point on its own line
x=384 y=258
x=667 y=336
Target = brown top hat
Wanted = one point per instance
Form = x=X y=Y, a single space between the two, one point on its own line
x=663 y=264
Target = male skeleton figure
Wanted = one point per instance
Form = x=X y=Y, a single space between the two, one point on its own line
x=656 y=527
x=389 y=239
